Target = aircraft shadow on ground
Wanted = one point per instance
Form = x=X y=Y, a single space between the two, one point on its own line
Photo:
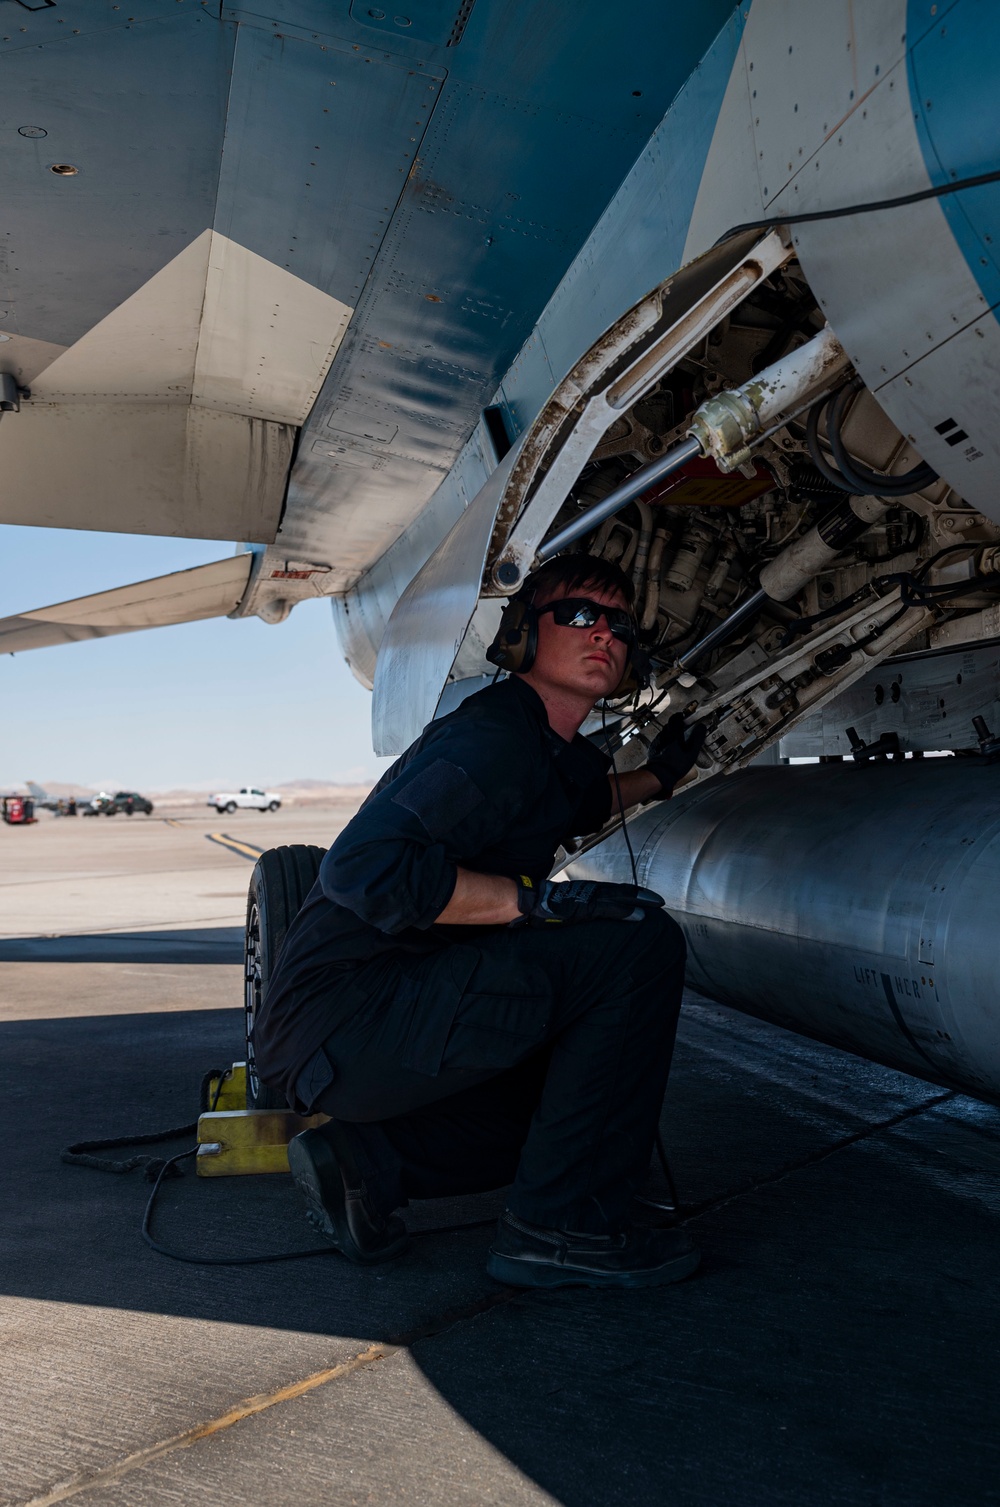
x=209 y=944
x=836 y=1346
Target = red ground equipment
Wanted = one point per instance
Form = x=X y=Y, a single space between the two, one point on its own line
x=18 y=810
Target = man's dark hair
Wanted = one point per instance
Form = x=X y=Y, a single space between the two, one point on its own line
x=577 y=573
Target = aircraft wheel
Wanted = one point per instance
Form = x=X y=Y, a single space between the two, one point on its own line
x=281 y=880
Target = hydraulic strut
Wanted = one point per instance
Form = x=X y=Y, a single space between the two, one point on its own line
x=726 y=427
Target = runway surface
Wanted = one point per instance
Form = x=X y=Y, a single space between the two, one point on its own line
x=838 y=1346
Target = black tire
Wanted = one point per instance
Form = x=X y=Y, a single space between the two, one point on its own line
x=280 y=882
x=274 y=805
x=229 y=807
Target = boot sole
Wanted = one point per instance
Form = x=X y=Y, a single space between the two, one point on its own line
x=317 y=1176
x=517 y=1273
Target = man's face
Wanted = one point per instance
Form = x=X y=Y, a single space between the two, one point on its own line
x=583 y=661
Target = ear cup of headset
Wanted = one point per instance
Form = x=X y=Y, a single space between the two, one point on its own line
x=516 y=642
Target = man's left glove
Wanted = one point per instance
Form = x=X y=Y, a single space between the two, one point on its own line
x=674 y=750
x=579 y=900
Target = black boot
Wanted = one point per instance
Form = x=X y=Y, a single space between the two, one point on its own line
x=524 y=1255
x=337 y=1202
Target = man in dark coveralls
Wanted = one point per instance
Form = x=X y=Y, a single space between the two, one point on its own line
x=468 y=1023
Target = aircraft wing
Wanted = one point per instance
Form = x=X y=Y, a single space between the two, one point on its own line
x=184 y=596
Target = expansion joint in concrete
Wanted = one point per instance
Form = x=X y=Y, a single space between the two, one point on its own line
x=77 y=1486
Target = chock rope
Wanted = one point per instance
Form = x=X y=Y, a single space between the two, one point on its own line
x=81 y=1153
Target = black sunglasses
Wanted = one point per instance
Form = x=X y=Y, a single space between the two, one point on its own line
x=581 y=612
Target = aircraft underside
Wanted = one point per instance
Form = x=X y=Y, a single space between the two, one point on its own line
x=758 y=372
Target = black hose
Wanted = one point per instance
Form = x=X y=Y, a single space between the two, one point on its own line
x=853 y=477
x=859 y=476
x=819 y=460
x=811 y=217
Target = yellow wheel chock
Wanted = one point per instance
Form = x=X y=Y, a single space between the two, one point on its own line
x=234 y=1141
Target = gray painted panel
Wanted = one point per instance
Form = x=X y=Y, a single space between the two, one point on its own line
x=140 y=111
x=534 y=128
x=319 y=141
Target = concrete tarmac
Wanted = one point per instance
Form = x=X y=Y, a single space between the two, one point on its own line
x=836 y=1348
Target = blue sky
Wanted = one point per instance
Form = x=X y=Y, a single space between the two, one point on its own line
x=200 y=705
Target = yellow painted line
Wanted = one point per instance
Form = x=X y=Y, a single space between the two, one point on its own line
x=170 y=822
x=245 y=1409
x=235 y=845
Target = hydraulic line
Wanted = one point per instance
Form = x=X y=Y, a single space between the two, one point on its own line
x=852 y=476
x=651 y=599
x=640 y=481
x=746 y=609
x=784 y=577
x=725 y=427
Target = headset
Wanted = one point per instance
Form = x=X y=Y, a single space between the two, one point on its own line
x=516 y=644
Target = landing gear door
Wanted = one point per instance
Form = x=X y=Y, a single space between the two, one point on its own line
x=430 y=620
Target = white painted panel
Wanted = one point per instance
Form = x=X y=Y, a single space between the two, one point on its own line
x=143 y=468
x=267 y=337
x=893 y=284
x=730 y=191
x=235 y=467
x=185 y=596
x=810 y=65
x=145 y=348
x=24 y=358
x=218 y=326
x=172 y=415
x=958 y=381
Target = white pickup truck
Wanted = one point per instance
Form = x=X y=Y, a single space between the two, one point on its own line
x=250 y=798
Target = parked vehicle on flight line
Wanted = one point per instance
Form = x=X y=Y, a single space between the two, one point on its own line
x=248 y=798
x=128 y=801
x=17 y=810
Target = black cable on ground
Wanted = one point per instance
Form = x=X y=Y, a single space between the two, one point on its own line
x=845 y=211
x=264 y=1260
x=156 y=1169
x=163 y=1250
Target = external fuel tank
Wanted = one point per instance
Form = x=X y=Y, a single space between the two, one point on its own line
x=857 y=904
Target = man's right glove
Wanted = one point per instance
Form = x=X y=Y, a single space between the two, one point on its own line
x=674 y=750
x=576 y=900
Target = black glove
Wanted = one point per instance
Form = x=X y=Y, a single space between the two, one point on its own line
x=549 y=904
x=674 y=750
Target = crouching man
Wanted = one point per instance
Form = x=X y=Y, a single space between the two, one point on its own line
x=467 y=1023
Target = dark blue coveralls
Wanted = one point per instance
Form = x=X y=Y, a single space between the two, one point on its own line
x=470 y=1057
